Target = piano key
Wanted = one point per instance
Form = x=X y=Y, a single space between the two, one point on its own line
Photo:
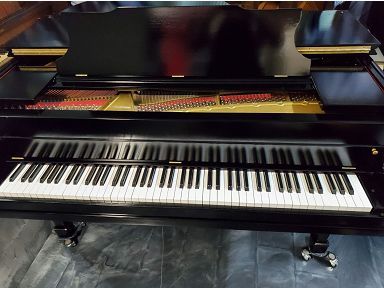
x=242 y=192
x=53 y=174
x=316 y=195
x=171 y=177
x=213 y=193
x=105 y=175
x=91 y=173
x=206 y=193
x=221 y=192
x=217 y=179
x=190 y=177
x=229 y=179
x=280 y=184
x=33 y=175
x=136 y=176
x=143 y=180
x=28 y=172
x=267 y=183
x=182 y=177
x=339 y=184
x=258 y=180
x=117 y=175
x=61 y=173
x=98 y=174
x=245 y=180
x=329 y=197
x=79 y=174
x=151 y=176
x=347 y=183
x=359 y=193
x=108 y=188
x=306 y=190
x=177 y=190
x=129 y=187
x=198 y=178
x=319 y=187
x=309 y=183
x=296 y=182
x=60 y=185
x=331 y=183
x=257 y=197
x=82 y=190
x=71 y=174
x=163 y=177
x=163 y=186
x=276 y=198
x=199 y=186
x=237 y=176
x=288 y=182
x=227 y=201
x=46 y=173
x=209 y=179
x=125 y=175
x=17 y=171
x=184 y=198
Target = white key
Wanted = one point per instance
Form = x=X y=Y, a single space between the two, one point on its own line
x=296 y=204
x=227 y=192
x=288 y=203
x=128 y=185
x=164 y=189
x=329 y=199
x=77 y=191
x=213 y=192
x=360 y=192
x=4 y=191
x=316 y=195
x=301 y=195
x=235 y=192
x=340 y=198
x=257 y=195
x=171 y=190
x=184 y=191
x=136 y=193
x=221 y=193
x=276 y=198
x=199 y=191
x=59 y=188
x=152 y=188
x=250 y=193
x=206 y=192
x=156 y=186
x=178 y=191
x=121 y=190
x=107 y=193
x=264 y=194
x=242 y=193
x=304 y=188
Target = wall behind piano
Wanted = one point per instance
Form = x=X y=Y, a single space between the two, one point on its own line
x=20 y=242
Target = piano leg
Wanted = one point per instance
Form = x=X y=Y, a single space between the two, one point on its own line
x=69 y=232
x=318 y=248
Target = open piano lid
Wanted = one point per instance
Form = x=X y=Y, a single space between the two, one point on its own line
x=196 y=42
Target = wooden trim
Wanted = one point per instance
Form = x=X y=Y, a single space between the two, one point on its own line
x=335 y=50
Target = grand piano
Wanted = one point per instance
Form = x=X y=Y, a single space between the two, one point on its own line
x=207 y=116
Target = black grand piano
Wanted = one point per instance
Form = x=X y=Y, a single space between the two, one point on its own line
x=207 y=116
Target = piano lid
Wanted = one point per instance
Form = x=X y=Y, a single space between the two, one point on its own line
x=201 y=42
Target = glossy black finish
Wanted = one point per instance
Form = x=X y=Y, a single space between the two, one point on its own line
x=23 y=86
x=224 y=42
x=332 y=28
x=355 y=91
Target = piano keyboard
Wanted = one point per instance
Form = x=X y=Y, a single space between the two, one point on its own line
x=187 y=186
x=202 y=186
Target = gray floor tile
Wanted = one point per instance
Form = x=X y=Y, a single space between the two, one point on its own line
x=310 y=280
x=275 y=268
x=377 y=252
x=276 y=239
x=238 y=259
x=190 y=257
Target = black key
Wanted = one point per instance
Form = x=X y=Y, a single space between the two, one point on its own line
x=279 y=182
x=190 y=177
x=296 y=181
x=339 y=183
x=137 y=176
x=90 y=175
x=98 y=175
x=182 y=177
x=330 y=182
x=144 y=177
x=52 y=176
x=125 y=175
x=348 y=184
x=266 y=181
x=151 y=177
x=245 y=180
x=198 y=172
x=71 y=174
x=209 y=182
x=308 y=179
x=229 y=175
x=318 y=183
x=79 y=174
x=17 y=172
x=105 y=175
x=258 y=181
x=217 y=179
x=35 y=172
x=288 y=182
x=28 y=173
x=238 y=183
x=60 y=174
x=163 y=177
x=170 y=178
x=117 y=176
x=46 y=173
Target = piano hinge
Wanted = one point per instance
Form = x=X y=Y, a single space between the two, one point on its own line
x=348 y=168
x=81 y=75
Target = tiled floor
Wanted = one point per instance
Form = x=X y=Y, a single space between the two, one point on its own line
x=111 y=255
